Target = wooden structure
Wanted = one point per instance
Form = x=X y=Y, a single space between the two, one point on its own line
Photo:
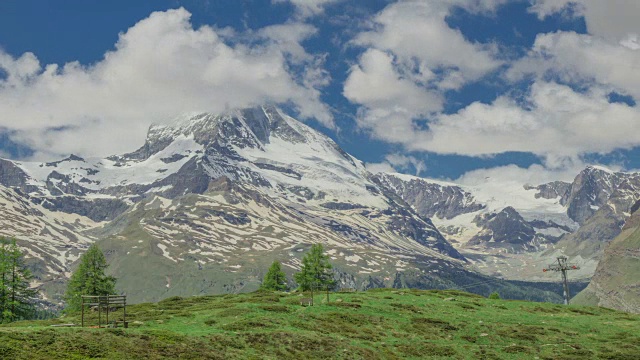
x=108 y=302
x=306 y=301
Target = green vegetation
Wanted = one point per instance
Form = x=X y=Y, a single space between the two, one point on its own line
x=16 y=296
x=376 y=324
x=316 y=270
x=275 y=279
x=89 y=278
x=494 y=296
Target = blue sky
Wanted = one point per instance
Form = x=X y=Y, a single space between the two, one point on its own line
x=533 y=89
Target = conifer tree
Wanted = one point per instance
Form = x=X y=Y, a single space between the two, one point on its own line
x=89 y=279
x=275 y=279
x=316 y=270
x=16 y=295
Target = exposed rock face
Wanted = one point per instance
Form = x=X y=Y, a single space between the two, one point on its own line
x=505 y=227
x=616 y=282
x=431 y=199
x=552 y=190
x=525 y=224
x=484 y=225
x=593 y=188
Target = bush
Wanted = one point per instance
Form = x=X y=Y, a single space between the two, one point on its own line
x=494 y=296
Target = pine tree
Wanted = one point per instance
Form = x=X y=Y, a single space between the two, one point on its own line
x=89 y=279
x=275 y=279
x=16 y=295
x=316 y=270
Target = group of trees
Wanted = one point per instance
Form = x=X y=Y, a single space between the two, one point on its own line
x=17 y=297
x=315 y=273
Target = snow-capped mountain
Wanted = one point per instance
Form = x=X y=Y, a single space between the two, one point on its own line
x=507 y=217
x=209 y=200
x=505 y=227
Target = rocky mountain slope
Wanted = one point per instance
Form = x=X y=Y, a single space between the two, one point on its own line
x=512 y=230
x=616 y=282
x=210 y=200
x=207 y=202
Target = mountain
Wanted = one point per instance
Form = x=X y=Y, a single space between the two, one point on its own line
x=209 y=201
x=616 y=282
x=508 y=229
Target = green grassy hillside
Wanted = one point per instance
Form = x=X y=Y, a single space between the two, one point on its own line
x=377 y=324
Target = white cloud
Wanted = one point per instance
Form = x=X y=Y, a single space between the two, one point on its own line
x=398 y=84
x=614 y=19
x=412 y=57
x=308 y=8
x=533 y=175
x=391 y=100
x=160 y=67
x=417 y=34
x=582 y=58
x=398 y=162
x=559 y=123
x=384 y=166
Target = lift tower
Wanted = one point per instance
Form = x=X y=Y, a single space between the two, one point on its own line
x=563 y=267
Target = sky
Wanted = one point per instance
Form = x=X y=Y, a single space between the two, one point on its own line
x=466 y=90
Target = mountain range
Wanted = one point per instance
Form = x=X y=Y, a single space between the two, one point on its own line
x=210 y=200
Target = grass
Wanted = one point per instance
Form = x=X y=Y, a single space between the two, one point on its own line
x=377 y=324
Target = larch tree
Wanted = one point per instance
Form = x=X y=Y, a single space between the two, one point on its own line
x=275 y=279
x=316 y=270
x=89 y=279
x=17 y=298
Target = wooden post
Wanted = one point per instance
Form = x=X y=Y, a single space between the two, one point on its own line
x=82 y=297
x=327 y=294
x=99 y=313
x=108 y=303
x=124 y=316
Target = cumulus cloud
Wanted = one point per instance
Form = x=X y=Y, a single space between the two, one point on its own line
x=398 y=162
x=308 y=8
x=384 y=167
x=582 y=58
x=417 y=34
x=556 y=123
x=160 y=67
x=411 y=58
x=532 y=175
x=610 y=19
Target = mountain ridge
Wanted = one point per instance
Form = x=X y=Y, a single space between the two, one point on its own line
x=205 y=203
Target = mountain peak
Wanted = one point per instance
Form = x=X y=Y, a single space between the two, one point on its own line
x=598 y=168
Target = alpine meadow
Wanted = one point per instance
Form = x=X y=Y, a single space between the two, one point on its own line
x=319 y=179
